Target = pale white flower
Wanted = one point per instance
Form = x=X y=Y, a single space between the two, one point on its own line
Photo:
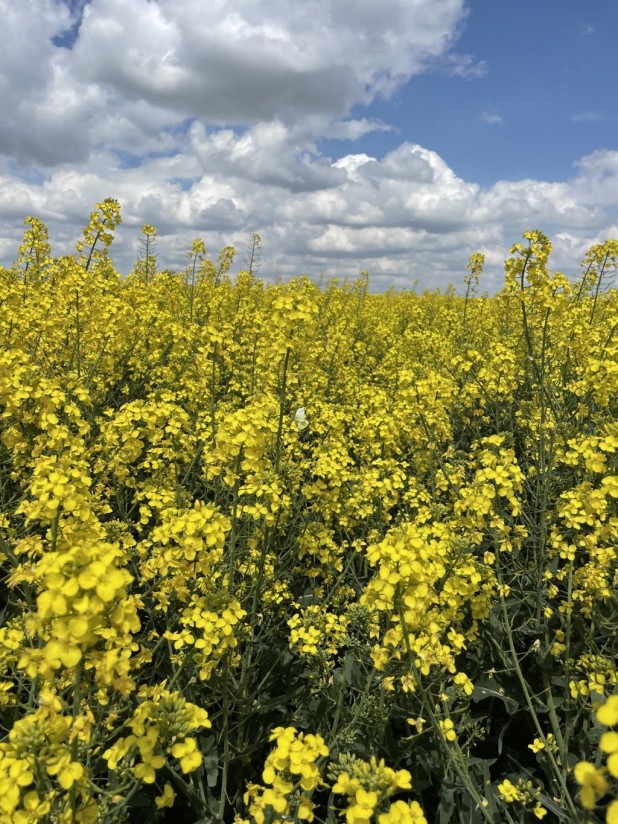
x=300 y=419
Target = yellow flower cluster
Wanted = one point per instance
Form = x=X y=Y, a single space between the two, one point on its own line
x=182 y=550
x=291 y=773
x=496 y=485
x=600 y=674
x=367 y=784
x=316 y=630
x=209 y=634
x=249 y=504
x=523 y=793
x=160 y=729
x=427 y=587
x=403 y=812
x=40 y=742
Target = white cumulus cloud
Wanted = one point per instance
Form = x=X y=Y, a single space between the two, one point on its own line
x=208 y=120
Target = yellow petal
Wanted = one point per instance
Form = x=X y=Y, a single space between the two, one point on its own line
x=609 y=742
x=612 y=813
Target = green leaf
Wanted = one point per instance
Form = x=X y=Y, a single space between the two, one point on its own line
x=486 y=689
x=348 y=665
x=447 y=804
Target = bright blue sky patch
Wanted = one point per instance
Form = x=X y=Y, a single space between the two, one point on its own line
x=66 y=38
x=547 y=97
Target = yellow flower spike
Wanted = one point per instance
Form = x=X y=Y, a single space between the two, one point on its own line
x=59 y=761
x=90 y=577
x=52 y=603
x=57 y=653
x=310 y=778
x=20 y=774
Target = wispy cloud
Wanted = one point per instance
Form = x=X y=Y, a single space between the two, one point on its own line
x=587 y=29
x=465 y=66
x=492 y=118
x=587 y=117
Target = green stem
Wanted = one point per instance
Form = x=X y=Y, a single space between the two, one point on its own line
x=94 y=243
x=234 y=530
x=454 y=754
x=244 y=697
x=556 y=769
x=77 y=689
x=282 y=393
x=77 y=335
x=226 y=742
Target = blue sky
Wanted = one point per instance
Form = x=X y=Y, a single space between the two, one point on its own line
x=550 y=88
x=386 y=135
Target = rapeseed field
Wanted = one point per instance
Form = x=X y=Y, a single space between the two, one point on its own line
x=304 y=553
